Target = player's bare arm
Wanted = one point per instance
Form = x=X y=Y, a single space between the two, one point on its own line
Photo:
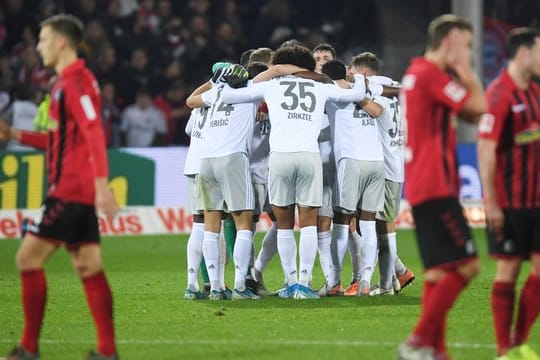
x=276 y=71
x=487 y=163
x=8 y=133
x=195 y=100
x=476 y=104
x=105 y=200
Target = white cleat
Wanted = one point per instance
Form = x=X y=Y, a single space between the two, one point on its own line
x=376 y=290
x=409 y=352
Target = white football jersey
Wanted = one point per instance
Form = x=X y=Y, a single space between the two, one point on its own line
x=228 y=128
x=295 y=106
x=391 y=132
x=326 y=145
x=260 y=152
x=356 y=132
x=194 y=128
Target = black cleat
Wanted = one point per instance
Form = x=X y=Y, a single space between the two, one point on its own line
x=20 y=353
x=258 y=288
x=94 y=355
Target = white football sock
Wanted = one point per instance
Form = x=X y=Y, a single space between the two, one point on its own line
x=308 y=253
x=223 y=258
x=325 y=253
x=286 y=245
x=242 y=249
x=386 y=261
x=369 y=248
x=355 y=248
x=399 y=266
x=339 y=248
x=210 y=249
x=194 y=255
x=268 y=248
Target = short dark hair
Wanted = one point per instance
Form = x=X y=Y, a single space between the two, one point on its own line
x=325 y=47
x=244 y=58
x=291 y=42
x=441 y=26
x=68 y=25
x=255 y=68
x=261 y=55
x=366 y=59
x=335 y=69
x=523 y=36
x=294 y=55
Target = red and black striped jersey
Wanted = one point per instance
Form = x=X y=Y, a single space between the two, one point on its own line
x=430 y=100
x=513 y=121
x=75 y=144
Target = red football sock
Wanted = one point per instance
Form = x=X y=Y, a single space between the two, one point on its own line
x=428 y=329
x=502 y=306
x=34 y=296
x=438 y=335
x=529 y=307
x=99 y=299
x=429 y=286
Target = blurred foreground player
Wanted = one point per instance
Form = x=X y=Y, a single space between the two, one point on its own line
x=78 y=186
x=436 y=88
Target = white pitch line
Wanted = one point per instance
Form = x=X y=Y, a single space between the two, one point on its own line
x=289 y=342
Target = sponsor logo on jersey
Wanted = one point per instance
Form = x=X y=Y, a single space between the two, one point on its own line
x=486 y=123
x=518 y=108
x=529 y=135
x=454 y=91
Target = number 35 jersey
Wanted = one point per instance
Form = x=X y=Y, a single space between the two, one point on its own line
x=227 y=128
x=295 y=108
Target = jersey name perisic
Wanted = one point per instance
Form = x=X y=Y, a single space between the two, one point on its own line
x=228 y=128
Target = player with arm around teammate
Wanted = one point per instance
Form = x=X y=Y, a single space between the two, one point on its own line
x=393 y=274
x=225 y=183
x=295 y=108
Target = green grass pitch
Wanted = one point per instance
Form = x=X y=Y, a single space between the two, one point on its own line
x=148 y=278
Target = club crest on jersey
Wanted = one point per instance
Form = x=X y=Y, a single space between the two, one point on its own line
x=518 y=108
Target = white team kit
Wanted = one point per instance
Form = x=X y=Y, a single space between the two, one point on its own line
x=296 y=108
x=194 y=129
x=359 y=186
x=220 y=187
x=194 y=246
x=359 y=156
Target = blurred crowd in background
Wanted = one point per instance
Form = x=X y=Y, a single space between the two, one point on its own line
x=148 y=55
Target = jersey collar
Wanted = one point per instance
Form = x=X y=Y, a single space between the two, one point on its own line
x=73 y=67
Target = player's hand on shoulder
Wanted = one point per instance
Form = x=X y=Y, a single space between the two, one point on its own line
x=237 y=76
x=219 y=75
x=312 y=75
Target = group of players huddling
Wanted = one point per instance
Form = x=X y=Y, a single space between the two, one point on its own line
x=296 y=132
